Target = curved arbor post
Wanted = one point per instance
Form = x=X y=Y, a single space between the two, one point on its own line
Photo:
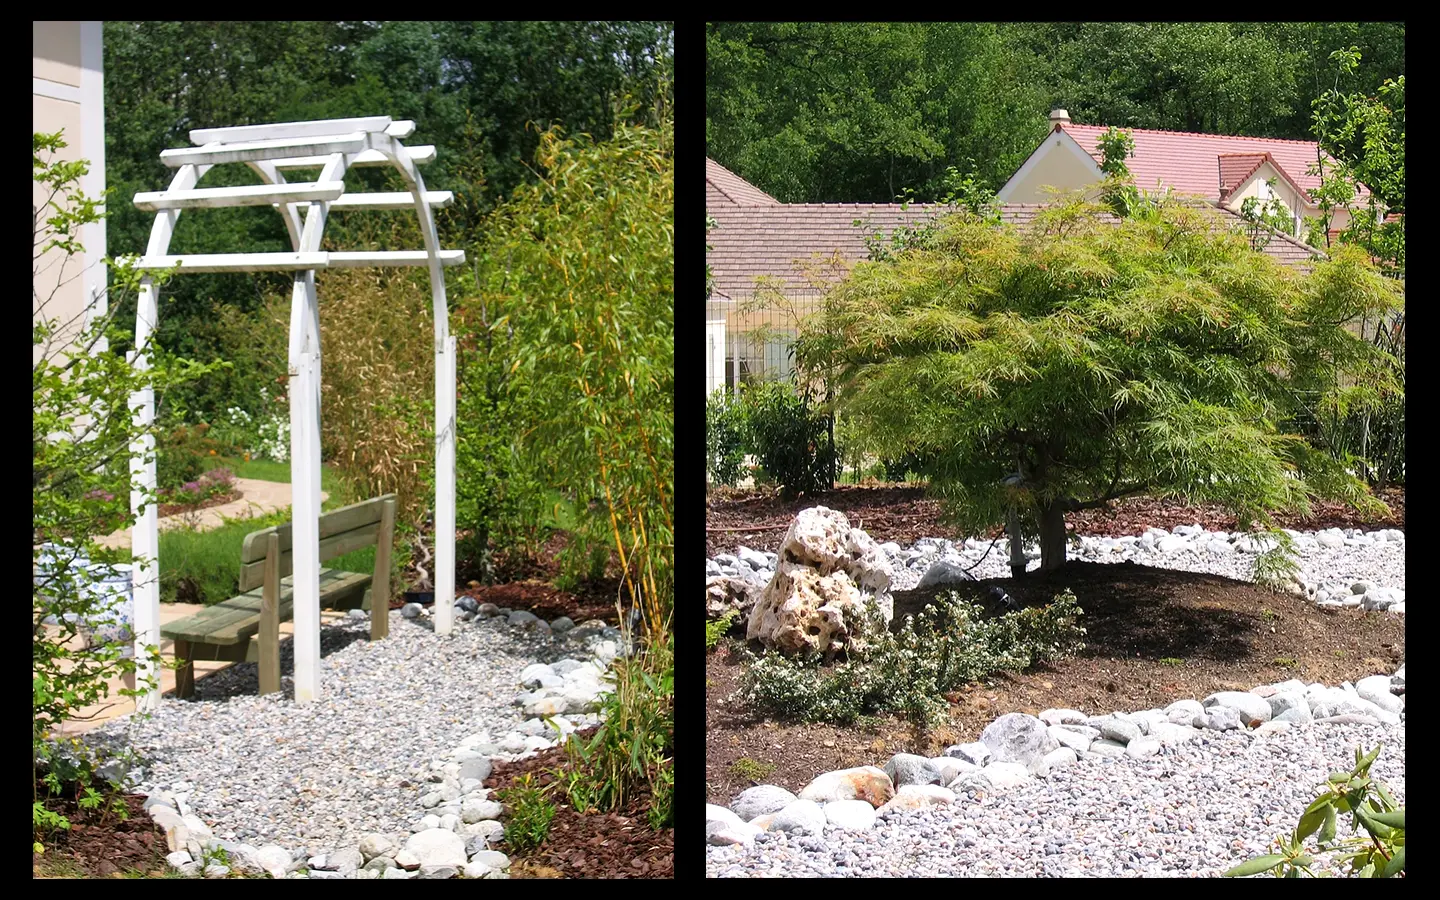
x=334 y=145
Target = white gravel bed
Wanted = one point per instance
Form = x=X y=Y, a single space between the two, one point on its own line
x=265 y=770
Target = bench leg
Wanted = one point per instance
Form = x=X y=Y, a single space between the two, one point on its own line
x=185 y=674
x=270 y=621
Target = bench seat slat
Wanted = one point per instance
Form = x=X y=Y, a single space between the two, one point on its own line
x=237 y=619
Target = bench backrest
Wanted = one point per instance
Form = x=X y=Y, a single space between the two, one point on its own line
x=341 y=531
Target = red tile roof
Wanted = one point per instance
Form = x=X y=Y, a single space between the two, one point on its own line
x=724 y=186
x=1235 y=168
x=776 y=239
x=1186 y=161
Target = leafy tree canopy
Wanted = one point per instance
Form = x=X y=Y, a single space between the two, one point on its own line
x=856 y=112
x=1096 y=359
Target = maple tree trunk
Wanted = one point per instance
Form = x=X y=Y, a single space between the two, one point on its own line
x=1052 y=537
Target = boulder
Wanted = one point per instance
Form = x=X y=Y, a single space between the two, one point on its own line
x=918 y=796
x=1063 y=717
x=1182 y=711
x=1218 y=718
x=951 y=768
x=907 y=768
x=1169 y=733
x=1057 y=759
x=867 y=783
x=802 y=815
x=1250 y=707
x=851 y=815
x=1076 y=737
x=760 y=800
x=942 y=572
x=1018 y=738
x=1144 y=746
x=826 y=570
x=1284 y=701
x=1120 y=731
x=1004 y=775
x=437 y=847
x=724 y=594
x=975 y=753
x=725 y=835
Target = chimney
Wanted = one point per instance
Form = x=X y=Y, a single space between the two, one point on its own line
x=1059 y=117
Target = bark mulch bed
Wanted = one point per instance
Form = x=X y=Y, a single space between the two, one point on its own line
x=1153 y=636
x=591 y=845
x=528 y=583
x=96 y=849
x=902 y=513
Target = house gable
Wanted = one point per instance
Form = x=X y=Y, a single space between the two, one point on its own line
x=1058 y=162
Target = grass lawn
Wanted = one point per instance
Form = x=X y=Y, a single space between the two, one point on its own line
x=340 y=491
x=204 y=566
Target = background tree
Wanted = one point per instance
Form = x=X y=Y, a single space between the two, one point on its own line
x=856 y=112
x=1096 y=361
x=482 y=92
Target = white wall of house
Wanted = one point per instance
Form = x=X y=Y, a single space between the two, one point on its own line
x=69 y=94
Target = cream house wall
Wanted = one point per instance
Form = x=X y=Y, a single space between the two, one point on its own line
x=68 y=94
x=1282 y=191
x=1054 y=164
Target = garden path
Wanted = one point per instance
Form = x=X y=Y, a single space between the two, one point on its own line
x=256 y=498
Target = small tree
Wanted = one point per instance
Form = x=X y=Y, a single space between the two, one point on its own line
x=1089 y=360
x=82 y=439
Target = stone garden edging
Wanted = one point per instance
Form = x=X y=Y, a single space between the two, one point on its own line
x=1016 y=748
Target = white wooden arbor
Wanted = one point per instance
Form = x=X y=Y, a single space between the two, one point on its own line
x=333 y=145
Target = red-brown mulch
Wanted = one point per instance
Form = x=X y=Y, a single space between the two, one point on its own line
x=617 y=844
x=97 y=847
x=527 y=582
x=170 y=509
x=902 y=513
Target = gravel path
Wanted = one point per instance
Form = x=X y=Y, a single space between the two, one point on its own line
x=1196 y=809
x=265 y=770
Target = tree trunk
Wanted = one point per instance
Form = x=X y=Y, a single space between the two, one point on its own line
x=1017 y=547
x=1052 y=536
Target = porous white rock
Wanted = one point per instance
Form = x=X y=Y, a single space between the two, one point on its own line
x=825 y=569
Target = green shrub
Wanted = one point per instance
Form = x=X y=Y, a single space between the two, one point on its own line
x=791 y=441
x=530 y=814
x=726 y=438
x=634 y=746
x=949 y=645
x=1379 y=854
x=715 y=630
x=186 y=452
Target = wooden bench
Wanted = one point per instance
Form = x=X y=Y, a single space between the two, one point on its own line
x=223 y=632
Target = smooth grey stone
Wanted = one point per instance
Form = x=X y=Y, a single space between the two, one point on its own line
x=975 y=752
x=1249 y=706
x=522 y=617
x=356 y=614
x=760 y=800
x=411 y=610
x=1107 y=747
x=907 y=768
x=1119 y=731
x=437 y=872
x=562 y=625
